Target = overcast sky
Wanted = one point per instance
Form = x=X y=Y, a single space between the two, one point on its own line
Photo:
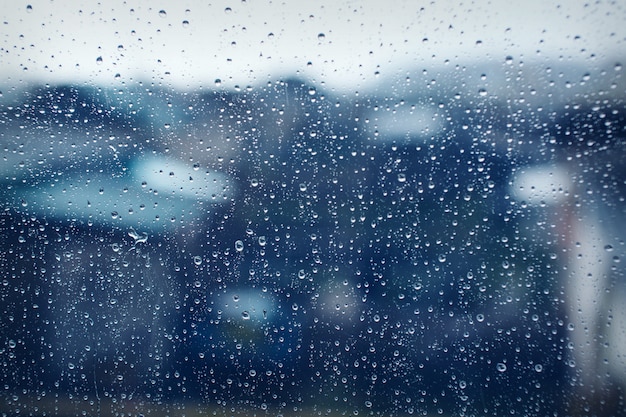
x=186 y=44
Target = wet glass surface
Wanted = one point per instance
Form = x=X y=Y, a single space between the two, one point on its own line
x=259 y=209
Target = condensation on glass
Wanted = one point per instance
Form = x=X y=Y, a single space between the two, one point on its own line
x=312 y=209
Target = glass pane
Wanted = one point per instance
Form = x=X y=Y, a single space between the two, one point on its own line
x=321 y=208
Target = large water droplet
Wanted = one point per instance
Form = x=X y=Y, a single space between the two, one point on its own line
x=238 y=245
x=138 y=237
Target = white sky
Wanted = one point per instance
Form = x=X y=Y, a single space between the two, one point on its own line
x=60 y=41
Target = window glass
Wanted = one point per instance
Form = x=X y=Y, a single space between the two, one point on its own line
x=321 y=208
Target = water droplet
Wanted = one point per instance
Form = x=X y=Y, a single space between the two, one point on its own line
x=321 y=37
x=303 y=187
x=238 y=245
x=185 y=23
x=218 y=82
x=162 y=13
x=228 y=10
x=12 y=344
x=402 y=177
x=442 y=258
x=114 y=214
x=508 y=60
x=245 y=315
x=235 y=298
x=138 y=237
x=482 y=92
x=254 y=182
x=197 y=260
x=312 y=91
x=99 y=60
x=262 y=241
x=71 y=365
x=480 y=317
x=252 y=372
x=501 y=367
x=29 y=8
x=538 y=367
x=608 y=248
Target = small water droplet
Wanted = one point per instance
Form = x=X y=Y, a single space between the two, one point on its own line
x=238 y=245
x=162 y=13
x=508 y=60
x=501 y=367
x=538 y=367
x=197 y=260
x=321 y=37
x=99 y=60
x=482 y=92
x=608 y=248
x=245 y=315
x=185 y=23
x=114 y=214
x=29 y=8
x=480 y=317
x=218 y=82
x=228 y=10
x=402 y=177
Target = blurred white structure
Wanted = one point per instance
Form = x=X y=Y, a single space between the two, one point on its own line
x=585 y=232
